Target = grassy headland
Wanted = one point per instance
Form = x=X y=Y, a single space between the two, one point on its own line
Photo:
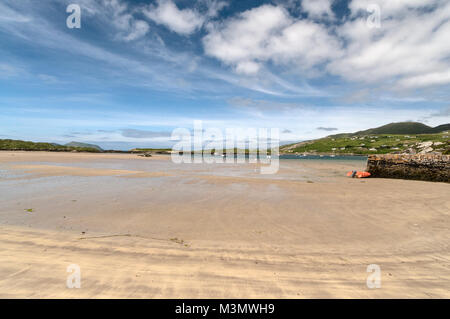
x=18 y=145
x=383 y=140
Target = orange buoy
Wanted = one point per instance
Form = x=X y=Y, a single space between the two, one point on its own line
x=358 y=174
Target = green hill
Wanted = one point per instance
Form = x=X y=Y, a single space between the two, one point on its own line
x=18 y=145
x=442 y=128
x=405 y=137
x=405 y=128
x=83 y=145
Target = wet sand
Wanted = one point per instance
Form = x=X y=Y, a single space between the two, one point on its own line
x=146 y=227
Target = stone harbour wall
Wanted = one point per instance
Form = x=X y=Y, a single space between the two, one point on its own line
x=425 y=167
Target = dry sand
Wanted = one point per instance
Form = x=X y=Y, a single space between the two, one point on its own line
x=145 y=227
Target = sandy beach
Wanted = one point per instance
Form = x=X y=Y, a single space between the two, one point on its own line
x=149 y=228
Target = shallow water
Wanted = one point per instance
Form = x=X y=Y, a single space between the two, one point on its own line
x=291 y=167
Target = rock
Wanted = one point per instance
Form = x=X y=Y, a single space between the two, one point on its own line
x=426 y=150
x=410 y=151
x=146 y=154
x=425 y=144
x=428 y=167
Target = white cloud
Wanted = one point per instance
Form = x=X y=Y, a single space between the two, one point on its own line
x=9 y=15
x=183 y=21
x=264 y=105
x=444 y=112
x=139 y=29
x=247 y=67
x=269 y=34
x=391 y=8
x=7 y=70
x=213 y=7
x=135 y=133
x=115 y=13
x=409 y=50
x=318 y=8
x=129 y=28
x=49 y=79
x=437 y=78
x=244 y=38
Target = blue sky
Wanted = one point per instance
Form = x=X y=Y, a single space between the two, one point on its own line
x=136 y=70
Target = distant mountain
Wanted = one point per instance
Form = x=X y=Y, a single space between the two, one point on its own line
x=405 y=128
x=442 y=128
x=83 y=145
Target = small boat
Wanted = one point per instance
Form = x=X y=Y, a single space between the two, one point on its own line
x=358 y=174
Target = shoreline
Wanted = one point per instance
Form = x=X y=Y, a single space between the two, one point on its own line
x=159 y=153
